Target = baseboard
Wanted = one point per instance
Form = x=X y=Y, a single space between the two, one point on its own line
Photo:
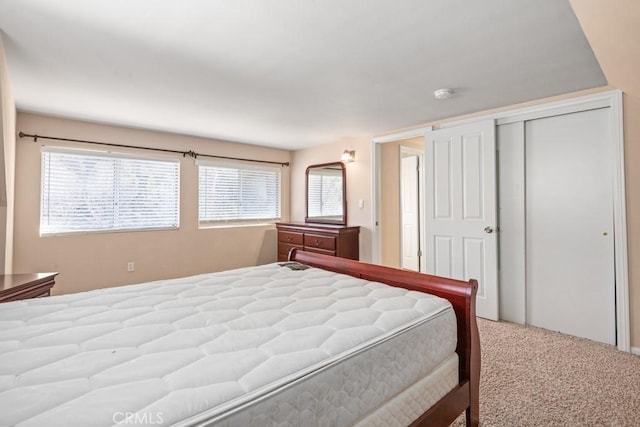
x=635 y=350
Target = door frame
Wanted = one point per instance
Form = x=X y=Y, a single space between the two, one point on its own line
x=612 y=99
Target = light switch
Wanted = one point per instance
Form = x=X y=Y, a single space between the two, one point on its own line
x=361 y=204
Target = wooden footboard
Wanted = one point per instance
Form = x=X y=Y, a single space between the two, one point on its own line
x=462 y=295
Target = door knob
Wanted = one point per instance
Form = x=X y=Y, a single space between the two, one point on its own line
x=488 y=229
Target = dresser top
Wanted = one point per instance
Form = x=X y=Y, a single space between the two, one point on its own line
x=307 y=225
x=8 y=281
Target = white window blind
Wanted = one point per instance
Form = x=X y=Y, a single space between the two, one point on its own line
x=90 y=191
x=324 y=193
x=238 y=193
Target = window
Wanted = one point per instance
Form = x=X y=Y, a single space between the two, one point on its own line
x=91 y=191
x=238 y=193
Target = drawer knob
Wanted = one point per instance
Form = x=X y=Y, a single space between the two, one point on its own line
x=317 y=242
x=289 y=238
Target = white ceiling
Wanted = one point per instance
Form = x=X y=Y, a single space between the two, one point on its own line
x=288 y=73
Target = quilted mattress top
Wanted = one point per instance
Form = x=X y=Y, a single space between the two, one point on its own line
x=188 y=349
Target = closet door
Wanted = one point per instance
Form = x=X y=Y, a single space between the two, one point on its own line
x=570 y=278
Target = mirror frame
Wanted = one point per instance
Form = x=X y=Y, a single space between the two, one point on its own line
x=308 y=219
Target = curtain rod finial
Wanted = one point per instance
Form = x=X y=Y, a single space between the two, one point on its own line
x=22 y=135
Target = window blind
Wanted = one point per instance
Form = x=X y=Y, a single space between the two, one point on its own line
x=86 y=191
x=238 y=193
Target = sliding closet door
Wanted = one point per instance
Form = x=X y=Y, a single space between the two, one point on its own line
x=570 y=281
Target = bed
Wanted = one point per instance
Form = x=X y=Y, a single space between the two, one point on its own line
x=315 y=341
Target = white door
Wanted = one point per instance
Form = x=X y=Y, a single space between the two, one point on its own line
x=410 y=220
x=460 y=201
x=570 y=278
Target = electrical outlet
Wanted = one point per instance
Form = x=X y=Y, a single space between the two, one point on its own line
x=131 y=266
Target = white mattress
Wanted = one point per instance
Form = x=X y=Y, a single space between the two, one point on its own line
x=254 y=346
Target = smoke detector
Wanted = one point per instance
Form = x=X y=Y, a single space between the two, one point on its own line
x=443 y=93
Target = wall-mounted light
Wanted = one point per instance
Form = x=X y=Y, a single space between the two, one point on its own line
x=348 y=156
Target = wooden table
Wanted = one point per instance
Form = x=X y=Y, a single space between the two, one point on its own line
x=15 y=287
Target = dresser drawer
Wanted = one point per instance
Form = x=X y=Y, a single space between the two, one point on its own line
x=283 y=250
x=327 y=243
x=290 y=237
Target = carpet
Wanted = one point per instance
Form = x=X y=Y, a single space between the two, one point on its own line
x=535 y=377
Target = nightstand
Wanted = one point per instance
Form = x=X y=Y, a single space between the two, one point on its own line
x=14 y=287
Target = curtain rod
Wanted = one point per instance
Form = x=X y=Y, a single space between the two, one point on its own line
x=189 y=153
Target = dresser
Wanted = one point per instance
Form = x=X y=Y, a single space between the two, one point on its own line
x=335 y=240
x=14 y=287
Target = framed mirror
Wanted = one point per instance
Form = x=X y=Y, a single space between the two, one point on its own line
x=326 y=194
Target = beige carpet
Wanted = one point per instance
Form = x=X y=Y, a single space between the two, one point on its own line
x=534 y=377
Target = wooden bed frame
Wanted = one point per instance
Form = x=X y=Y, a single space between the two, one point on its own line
x=462 y=295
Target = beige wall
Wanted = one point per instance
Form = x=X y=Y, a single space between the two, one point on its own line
x=613 y=31
x=88 y=261
x=389 y=204
x=7 y=164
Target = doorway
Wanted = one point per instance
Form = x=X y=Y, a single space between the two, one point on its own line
x=399 y=220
